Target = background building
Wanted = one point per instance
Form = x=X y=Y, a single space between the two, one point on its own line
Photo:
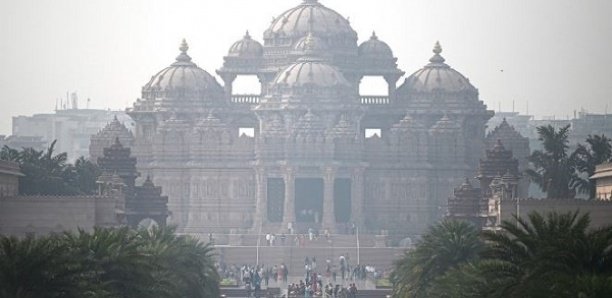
x=72 y=128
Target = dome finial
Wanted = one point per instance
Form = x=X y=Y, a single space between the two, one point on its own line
x=374 y=35
x=310 y=1
x=437 y=48
x=183 y=57
x=247 y=35
x=184 y=46
x=437 y=58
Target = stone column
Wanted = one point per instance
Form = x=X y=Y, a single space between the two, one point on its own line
x=392 y=85
x=357 y=191
x=261 y=209
x=329 y=218
x=228 y=82
x=289 y=205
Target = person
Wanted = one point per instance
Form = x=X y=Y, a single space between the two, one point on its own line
x=285 y=272
x=353 y=291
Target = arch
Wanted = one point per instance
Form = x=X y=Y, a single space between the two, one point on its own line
x=373 y=86
x=246 y=84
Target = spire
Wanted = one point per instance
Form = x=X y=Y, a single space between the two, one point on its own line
x=183 y=58
x=247 y=35
x=374 y=37
x=436 y=57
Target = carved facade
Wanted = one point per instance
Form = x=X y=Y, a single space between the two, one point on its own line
x=309 y=162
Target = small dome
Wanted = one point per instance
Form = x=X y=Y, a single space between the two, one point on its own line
x=311 y=71
x=246 y=48
x=436 y=76
x=184 y=81
x=375 y=48
x=309 y=16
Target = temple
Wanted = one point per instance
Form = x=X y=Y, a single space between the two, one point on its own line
x=308 y=150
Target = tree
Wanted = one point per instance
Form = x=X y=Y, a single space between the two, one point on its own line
x=555 y=255
x=49 y=173
x=552 y=255
x=185 y=265
x=112 y=262
x=109 y=263
x=9 y=154
x=599 y=151
x=552 y=169
x=445 y=246
x=32 y=267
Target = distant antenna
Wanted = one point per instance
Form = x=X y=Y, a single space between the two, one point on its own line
x=74 y=100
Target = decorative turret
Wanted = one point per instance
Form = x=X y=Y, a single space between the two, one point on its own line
x=147 y=203
x=106 y=137
x=498 y=162
x=468 y=204
x=118 y=160
x=518 y=144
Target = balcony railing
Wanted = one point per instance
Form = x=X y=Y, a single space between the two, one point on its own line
x=374 y=100
x=245 y=98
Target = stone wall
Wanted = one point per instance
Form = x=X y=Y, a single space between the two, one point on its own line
x=46 y=214
x=599 y=211
x=9 y=178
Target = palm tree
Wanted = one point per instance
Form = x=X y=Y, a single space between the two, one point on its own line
x=547 y=254
x=553 y=170
x=445 y=246
x=32 y=267
x=111 y=262
x=9 y=154
x=185 y=266
x=599 y=151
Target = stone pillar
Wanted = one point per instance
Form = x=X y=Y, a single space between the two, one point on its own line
x=329 y=218
x=261 y=209
x=357 y=191
x=228 y=82
x=289 y=205
x=392 y=85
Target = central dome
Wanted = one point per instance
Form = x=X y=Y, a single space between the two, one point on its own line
x=310 y=16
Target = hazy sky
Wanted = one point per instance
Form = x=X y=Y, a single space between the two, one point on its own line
x=555 y=54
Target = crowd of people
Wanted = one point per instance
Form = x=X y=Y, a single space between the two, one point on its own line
x=326 y=279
